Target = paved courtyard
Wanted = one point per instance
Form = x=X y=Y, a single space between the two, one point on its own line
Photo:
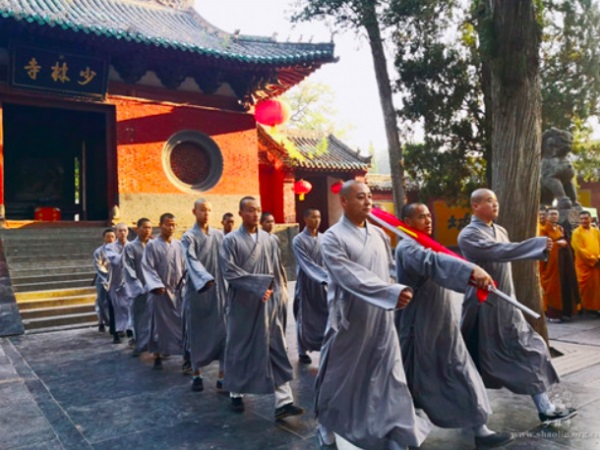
x=75 y=390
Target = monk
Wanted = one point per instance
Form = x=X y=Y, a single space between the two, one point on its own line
x=135 y=286
x=586 y=243
x=267 y=223
x=101 y=266
x=228 y=222
x=310 y=294
x=204 y=296
x=163 y=265
x=361 y=391
x=441 y=375
x=557 y=274
x=507 y=351
x=117 y=294
x=256 y=360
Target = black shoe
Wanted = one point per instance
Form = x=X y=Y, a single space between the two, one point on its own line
x=120 y=334
x=304 y=359
x=116 y=339
x=288 y=410
x=131 y=343
x=101 y=328
x=219 y=385
x=197 y=384
x=237 y=404
x=157 y=364
x=129 y=333
x=493 y=440
x=186 y=368
x=558 y=415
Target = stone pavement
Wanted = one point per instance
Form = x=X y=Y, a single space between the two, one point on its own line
x=75 y=390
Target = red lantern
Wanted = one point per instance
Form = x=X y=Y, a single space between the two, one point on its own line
x=336 y=187
x=272 y=112
x=302 y=187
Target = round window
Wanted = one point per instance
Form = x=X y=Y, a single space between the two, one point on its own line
x=192 y=161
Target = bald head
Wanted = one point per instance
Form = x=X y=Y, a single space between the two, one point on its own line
x=410 y=210
x=121 y=231
x=202 y=211
x=479 y=194
x=199 y=202
x=357 y=201
x=484 y=205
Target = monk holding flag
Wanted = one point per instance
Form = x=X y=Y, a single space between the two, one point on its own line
x=444 y=382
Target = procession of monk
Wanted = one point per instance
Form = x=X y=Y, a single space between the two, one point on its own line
x=395 y=358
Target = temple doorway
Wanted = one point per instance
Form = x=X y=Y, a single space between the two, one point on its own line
x=55 y=158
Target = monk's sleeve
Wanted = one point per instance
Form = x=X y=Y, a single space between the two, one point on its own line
x=447 y=271
x=479 y=246
x=113 y=255
x=197 y=273
x=307 y=265
x=149 y=263
x=356 y=279
x=133 y=285
x=578 y=241
x=253 y=283
x=100 y=265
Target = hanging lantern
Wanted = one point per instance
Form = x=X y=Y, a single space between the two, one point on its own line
x=272 y=112
x=336 y=187
x=302 y=187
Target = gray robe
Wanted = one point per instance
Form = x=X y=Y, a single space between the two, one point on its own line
x=311 y=291
x=256 y=360
x=117 y=293
x=507 y=351
x=441 y=375
x=204 y=313
x=101 y=265
x=361 y=391
x=141 y=316
x=162 y=265
x=282 y=296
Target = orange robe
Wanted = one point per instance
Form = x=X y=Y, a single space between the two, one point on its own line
x=552 y=277
x=586 y=244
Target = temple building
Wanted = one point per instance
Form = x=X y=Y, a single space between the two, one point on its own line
x=120 y=109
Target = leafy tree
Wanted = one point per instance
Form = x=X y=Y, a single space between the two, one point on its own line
x=365 y=15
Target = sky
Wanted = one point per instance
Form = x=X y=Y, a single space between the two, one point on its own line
x=352 y=78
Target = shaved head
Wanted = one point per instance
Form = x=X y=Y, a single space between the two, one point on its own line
x=199 y=202
x=348 y=187
x=408 y=211
x=121 y=226
x=479 y=195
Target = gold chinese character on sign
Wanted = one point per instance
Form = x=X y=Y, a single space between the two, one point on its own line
x=59 y=72
x=32 y=68
x=87 y=75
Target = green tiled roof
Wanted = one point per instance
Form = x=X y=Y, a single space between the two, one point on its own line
x=148 y=23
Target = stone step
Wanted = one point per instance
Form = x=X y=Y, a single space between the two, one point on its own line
x=51 y=302
x=55 y=249
x=60 y=321
x=53 y=293
x=35 y=264
x=44 y=286
x=73 y=326
x=54 y=269
x=57 y=311
x=21 y=280
x=13 y=260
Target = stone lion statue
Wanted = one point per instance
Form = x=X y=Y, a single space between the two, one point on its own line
x=558 y=174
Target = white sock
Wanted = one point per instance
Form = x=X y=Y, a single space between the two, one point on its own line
x=327 y=436
x=543 y=403
x=482 y=431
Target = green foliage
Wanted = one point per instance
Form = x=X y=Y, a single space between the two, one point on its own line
x=311 y=106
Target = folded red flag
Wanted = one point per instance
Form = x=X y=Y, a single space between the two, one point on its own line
x=423 y=239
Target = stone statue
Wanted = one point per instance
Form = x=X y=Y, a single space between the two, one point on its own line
x=558 y=174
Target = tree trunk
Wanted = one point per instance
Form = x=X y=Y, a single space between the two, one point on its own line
x=511 y=43
x=371 y=25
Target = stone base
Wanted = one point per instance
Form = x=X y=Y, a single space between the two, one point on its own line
x=571 y=215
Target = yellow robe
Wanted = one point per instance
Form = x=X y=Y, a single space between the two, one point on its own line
x=586 y=244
